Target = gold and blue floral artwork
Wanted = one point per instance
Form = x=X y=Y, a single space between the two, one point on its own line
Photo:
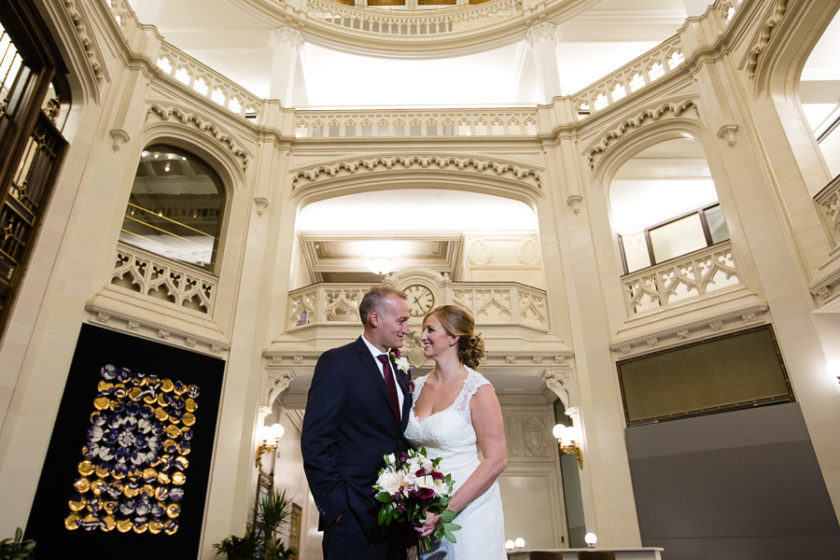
x=134 y=459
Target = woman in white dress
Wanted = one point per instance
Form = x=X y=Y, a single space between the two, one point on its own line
x=456 y=416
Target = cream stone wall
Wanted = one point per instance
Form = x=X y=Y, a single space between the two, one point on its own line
x=735 y=94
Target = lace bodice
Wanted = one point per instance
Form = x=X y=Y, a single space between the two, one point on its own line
x=449 y=434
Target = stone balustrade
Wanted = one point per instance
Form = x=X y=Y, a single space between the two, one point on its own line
x=628 y=79
x=173 y=282
x=491 y=303
x=208 y=83
x=828 y=202
x=421 y=23
x=461 y=123
x=624 y=82
x=683 y=278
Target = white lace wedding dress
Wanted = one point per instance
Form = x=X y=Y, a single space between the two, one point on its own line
x=449 y=434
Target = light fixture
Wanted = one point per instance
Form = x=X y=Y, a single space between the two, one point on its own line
x=834 y=368
x=590 y=539
x=519 y=542
x=268 y=433
x=380 y=265
x=568 y=438
x=509 y=544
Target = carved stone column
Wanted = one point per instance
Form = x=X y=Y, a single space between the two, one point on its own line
x=286 y=43
x=543 y=39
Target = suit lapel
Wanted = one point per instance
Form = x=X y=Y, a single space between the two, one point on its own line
x=373 y=370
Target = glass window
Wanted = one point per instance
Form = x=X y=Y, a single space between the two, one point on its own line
x=176 y=207
x=717 y=227
x=677 y=238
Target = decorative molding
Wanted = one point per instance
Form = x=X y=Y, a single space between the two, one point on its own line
x=690 y=277
x=285 y=35
x=155 y=276
x=543 y=30
x=154 y=331
x=277 y=381
x=209 y=128
x=500 y=169
x=764 y=35
x=94 y=57
x=727 y=132
x=826 y=289
x=574 y=201
x=119 y=137
x=261 y=204
x=647 y=116
x=559 y=382
x=696 y=330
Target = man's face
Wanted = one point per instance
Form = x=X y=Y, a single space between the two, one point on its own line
x=391 y=323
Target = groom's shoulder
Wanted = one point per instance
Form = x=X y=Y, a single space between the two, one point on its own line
x=349 y=348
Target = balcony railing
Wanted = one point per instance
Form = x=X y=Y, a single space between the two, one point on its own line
x=828 y=201
x=678 y=280
x=456 y=123
x=493 y=304
x=154 y=276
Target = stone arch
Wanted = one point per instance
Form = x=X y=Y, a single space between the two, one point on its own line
x=225 y=157
x=508 y=179
x=626 y=145
x=789 y=31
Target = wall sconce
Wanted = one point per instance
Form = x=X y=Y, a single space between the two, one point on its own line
x=590 y=539
x=568 y=438
x=266 y=434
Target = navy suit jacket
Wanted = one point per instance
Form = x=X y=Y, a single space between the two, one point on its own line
x=347 y=428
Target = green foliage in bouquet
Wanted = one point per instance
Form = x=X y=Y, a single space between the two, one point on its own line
x=16 y=548
x=409 y=485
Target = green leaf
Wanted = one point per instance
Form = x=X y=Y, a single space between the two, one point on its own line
x=447 y=515
x=383 y=497
x=382 y=515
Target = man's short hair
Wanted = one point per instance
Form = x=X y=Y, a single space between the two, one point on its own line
x=374 y=299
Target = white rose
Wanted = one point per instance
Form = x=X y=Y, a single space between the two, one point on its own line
x=390 y=481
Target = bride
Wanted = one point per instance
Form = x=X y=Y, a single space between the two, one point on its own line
x=455 y=416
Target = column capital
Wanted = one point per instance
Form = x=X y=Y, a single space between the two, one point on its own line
x=541 y=31
x=285 y=36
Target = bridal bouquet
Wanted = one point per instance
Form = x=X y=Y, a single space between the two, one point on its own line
x=409 y=485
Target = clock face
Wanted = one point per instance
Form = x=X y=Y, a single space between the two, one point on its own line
x=421 y=300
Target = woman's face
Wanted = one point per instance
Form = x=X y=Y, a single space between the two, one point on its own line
x=436 y=341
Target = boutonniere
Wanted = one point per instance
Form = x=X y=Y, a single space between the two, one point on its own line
x=401 y=362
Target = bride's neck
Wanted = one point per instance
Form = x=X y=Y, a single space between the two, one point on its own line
x=449 y=369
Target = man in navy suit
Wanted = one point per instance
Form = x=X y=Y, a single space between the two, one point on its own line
x=352 y=419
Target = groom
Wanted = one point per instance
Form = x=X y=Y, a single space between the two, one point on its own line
x=352 y=419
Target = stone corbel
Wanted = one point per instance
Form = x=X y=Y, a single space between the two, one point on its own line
x=574 y=201
x=261 y=203
x=559 y=383
x=727 y=132
x=118 y=137
x=278 y=381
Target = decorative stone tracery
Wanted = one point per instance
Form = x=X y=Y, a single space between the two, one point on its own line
x=644 y=118
x=209 y=128
x=500 y=169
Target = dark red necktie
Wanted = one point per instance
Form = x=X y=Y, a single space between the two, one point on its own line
x=389 y=383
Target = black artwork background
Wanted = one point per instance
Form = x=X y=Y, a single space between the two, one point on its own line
x=97 y=347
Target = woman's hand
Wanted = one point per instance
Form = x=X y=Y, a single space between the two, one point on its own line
x=429 y=526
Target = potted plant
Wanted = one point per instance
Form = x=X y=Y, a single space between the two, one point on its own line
x=263 y=540
x=16 y=548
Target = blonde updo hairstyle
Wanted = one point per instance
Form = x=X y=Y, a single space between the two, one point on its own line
x=457 y=321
